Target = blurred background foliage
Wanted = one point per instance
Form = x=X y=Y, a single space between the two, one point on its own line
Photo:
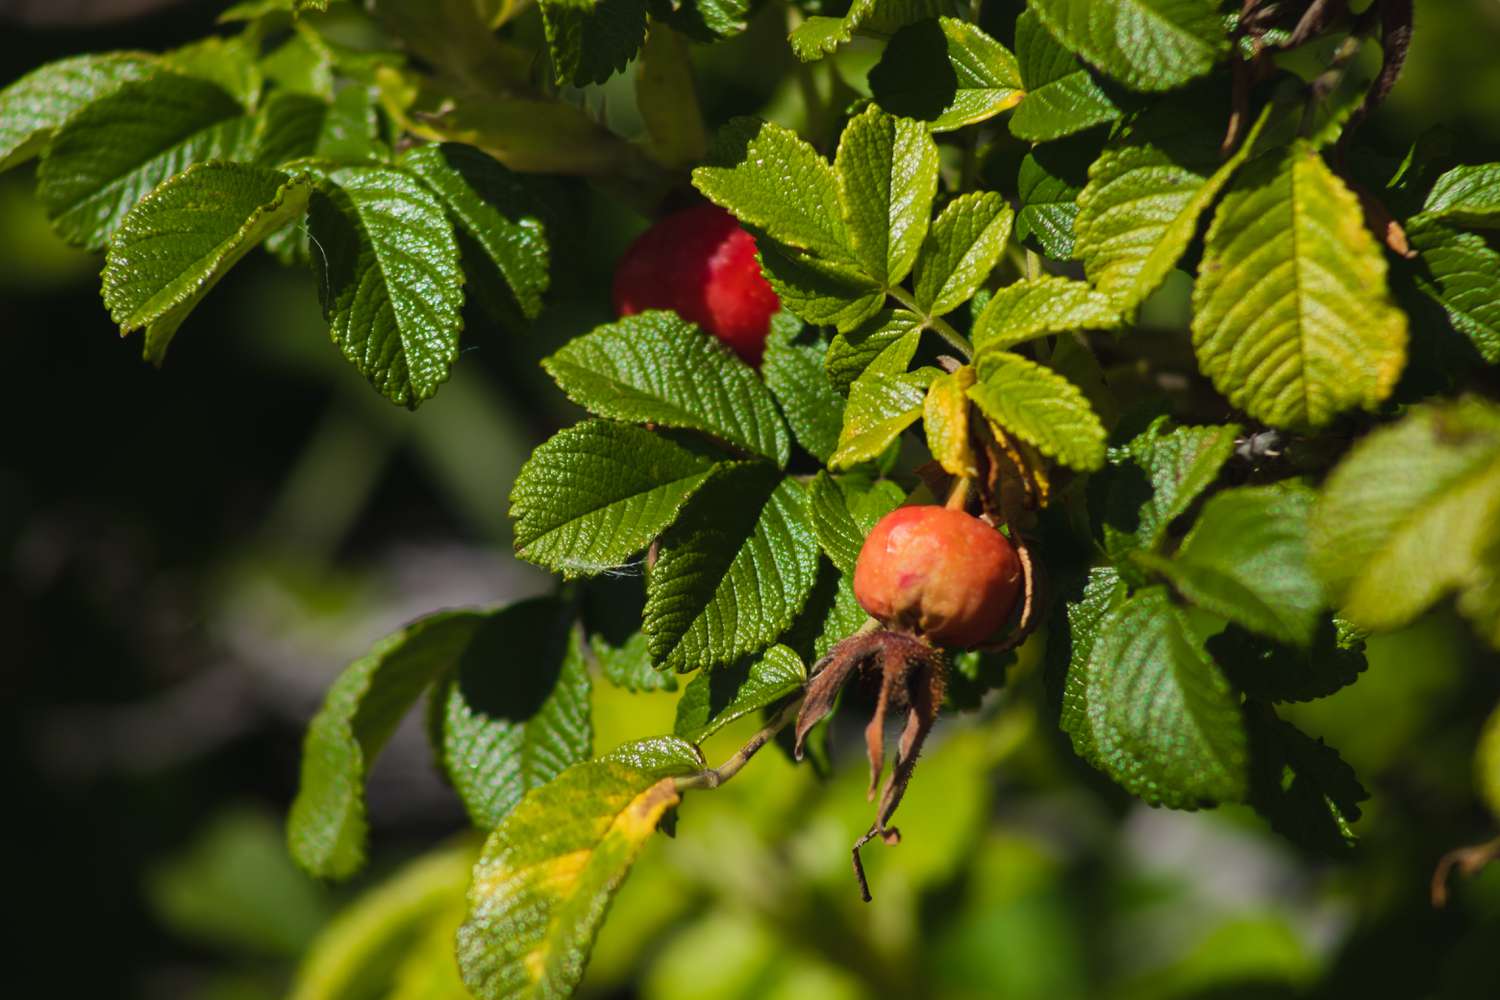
x=190 y=555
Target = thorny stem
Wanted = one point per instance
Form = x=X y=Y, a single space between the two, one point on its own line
x=715 y=776
x=937 y=324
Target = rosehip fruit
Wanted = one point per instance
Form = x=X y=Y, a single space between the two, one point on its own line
x=942 y=572
x=700 y=263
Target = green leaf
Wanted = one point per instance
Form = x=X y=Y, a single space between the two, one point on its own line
x=1487 y=763
x=177 y=242
x=667 y=99
x=1461 y=272
x=1291 y=316
x=945 y=418
x=732 y=572
x=391 y=284
x=714 y=699
x=1469 y=195
x=326 y=828
x=514 y=710
x=1070 y=648
x=116 y=149
x=228 y=62
x=793 y=371
x=1145 y=44
x=880 y=407
x=1048 y=183
x=1041 y=408
x=887 y=172
x=295 y=126
x=1145 y=193
x=591 y=40
x=655 y=367
x=598 y=493
x=1246 y=560
x=767 y=177
x=629 y=666
x=1035 y=307
x=844 y=509
x=490 y=203
x=1157 y=478
x=946 y=72
x=706 y=20
x=34 y=107
x=1302 y=786
x=1270 y=671
x=1062 y=97
x=883 y=344
x=965 y=241
x=1164 y=721
x=817 y=37
x=818 y=291
x=547 y=875
x=1411 y=513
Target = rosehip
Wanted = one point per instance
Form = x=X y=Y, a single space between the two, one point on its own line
x=700 y=263
x=942 y=572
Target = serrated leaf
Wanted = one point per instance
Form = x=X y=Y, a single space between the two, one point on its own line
x=1145 y=44
x=817 y=37
x=1410 y=514
x=945 y=417
x=326 y=828
x=883 y=344
x=1048 y=183
x=591 y=40
x=490 y=203
x=177 y=242
x=1302 y=786
x=1041 y=408
x=818 y=291
x=844 y=509
x=1061 y=96
x=1035 y=307
x=1140 y=208
x=960 y=251
x=793 y=370
x=294 y=126
x=390 y=280
x=596 y=494
x=629 y=666
x=655 y=367
x=887 y=171
x=229 y=62
x=946 y=72
x=1246 y=560
x=1291 y=316
x=548 y=873
x=1469 y=195
x=117 y=148
x=880 y=407
x=1070 y=647
x=732 y=572
x=1461 y=272
x=1273 y=672
x=1158 y=476
x=34 y=107
x=767 y=177
x=1164 y=721
x=707 y=20
x=514 y=709
x=714 y=699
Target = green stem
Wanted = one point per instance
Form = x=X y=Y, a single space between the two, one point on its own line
x=716 y=776
x=937 y=324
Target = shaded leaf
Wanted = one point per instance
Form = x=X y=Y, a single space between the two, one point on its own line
x=1270 y=671
x=844 y=509
x=1145 y=44
x=629 y=666
x=1302 y=786
x=946 y=72
x=34 y=107
x=591 y=40
x=1061 y=96
x=793 y=371
x=714 y=699
x=1461 y=272
x=1157 y=477
x=884 y=344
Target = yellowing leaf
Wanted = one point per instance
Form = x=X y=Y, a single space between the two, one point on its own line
x=945 y=415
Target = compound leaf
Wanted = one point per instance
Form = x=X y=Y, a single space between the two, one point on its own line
x=1145 y=44
x=1062 y=97
x=960 y=251
x=883 y=344
x=887 y=171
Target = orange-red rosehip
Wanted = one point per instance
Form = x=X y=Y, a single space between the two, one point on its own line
x=941 y=572
x=700 y=263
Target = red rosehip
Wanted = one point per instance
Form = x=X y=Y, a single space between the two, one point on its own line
x=942 y=572
x=700 y=263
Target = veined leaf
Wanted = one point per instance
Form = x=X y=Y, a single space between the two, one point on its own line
x=1041 y=408
x=1411 y=513
x=883 y=344
x=965 y=241
x=844 y=509
x=887 y=171
x=655 y=367
x=1292 y=320
x=1469 y=195
x=1246 y=560
x=1048 y=183
x=229 y=62
x=326 y=828
x=945 y=417
x=1036 y=307
x=1461 y=272
x=1164 y=721
x=714 y=699
x=629 y=666
x=598 y=493
x=34 y=107
x=548 y=873
x=1145 y=44
x=1070 y=649
x=707 y=20
x=591 y=40
x=880 y=407
x=178 y=241
x=732 y=572
x=391 y=286
x=1176 y=464
x=1275 y=672
x=106 y=157
x=946 y=72
x=489 y=203
x=818 y=291
x=513 y=712
x=1061 y=97
x=817 y=37
x=793 y=370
